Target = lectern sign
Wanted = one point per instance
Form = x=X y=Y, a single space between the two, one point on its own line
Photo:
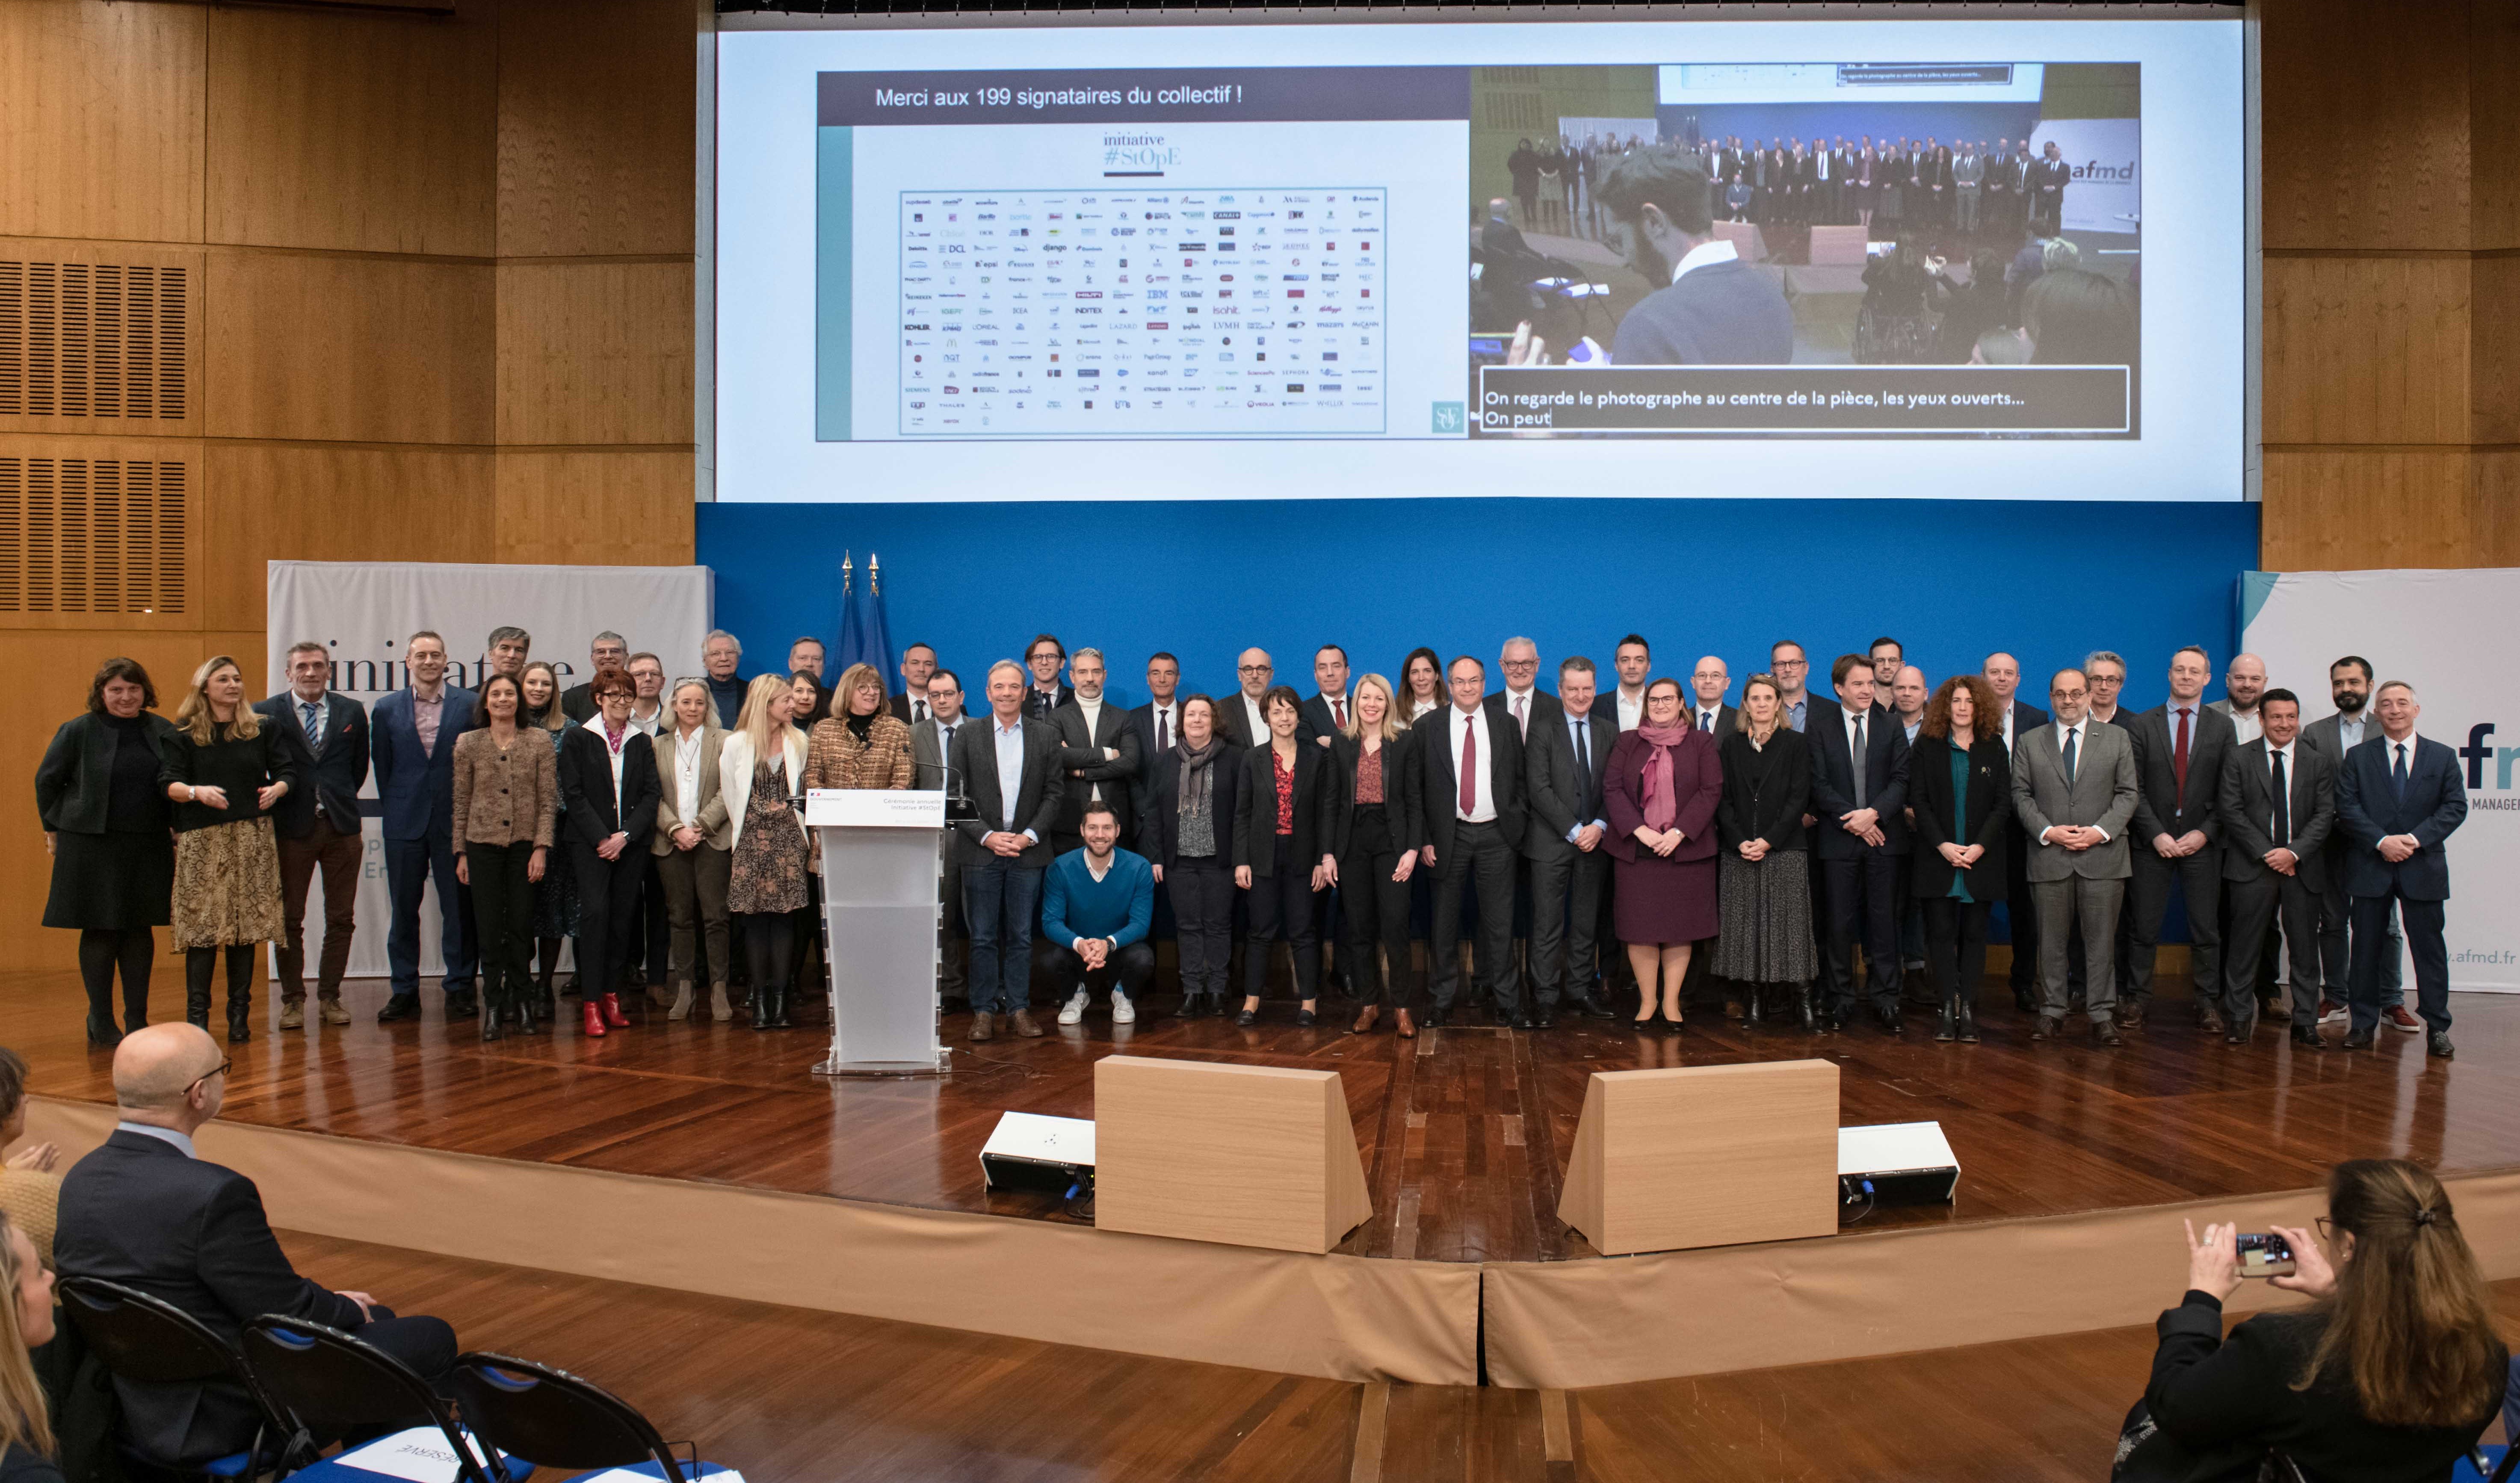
x=875 y=808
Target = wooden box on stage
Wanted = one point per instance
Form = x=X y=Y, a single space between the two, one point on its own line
x=1705 y=1156
x=1248 y=1155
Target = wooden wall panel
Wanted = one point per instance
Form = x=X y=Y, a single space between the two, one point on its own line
x=631 y=509
x=359 y=130
x=127 y=367
x=313 y=504
x=352 y=350
x=2494 y=128
x=2493 y=484
x=595 y=352
x=595 y=136
x=2366 y=351
x=110 y=574
x=100 y=120
x=2339 y=509
x=2363 y=125
x=2494 y=362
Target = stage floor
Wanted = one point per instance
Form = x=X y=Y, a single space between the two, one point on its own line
x=1464 y=1131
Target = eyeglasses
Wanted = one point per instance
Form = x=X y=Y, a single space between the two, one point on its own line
x=1252 y=669
x=2327 y=1232
x=1793 y=665
x=220 y=1070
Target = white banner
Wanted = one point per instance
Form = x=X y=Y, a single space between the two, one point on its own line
x=2107 y=159
x=2433 y=630
x=365 y=610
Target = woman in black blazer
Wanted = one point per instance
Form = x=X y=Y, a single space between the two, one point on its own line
x=1960 y=785
x=1375 y=831
x=1282 y=853
x=2390 y=1376
x=1763 y=862
x=608 y=784
x=1187 y=836
x=106 y=826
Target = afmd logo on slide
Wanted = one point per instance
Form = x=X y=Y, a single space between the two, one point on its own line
x=2477 y=754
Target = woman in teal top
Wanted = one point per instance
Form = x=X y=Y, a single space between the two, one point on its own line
x=1959 y=783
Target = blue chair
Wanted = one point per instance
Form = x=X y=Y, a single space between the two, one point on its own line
x=148 y=1341
x=330 y=1385
x=2486 y=1464
x=563 y=1420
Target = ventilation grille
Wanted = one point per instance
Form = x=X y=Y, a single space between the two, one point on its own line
x=1516 y=112
x=92 y=535
x=93 y=341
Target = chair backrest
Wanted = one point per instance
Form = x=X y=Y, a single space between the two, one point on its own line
x=333 y=1382
x=146 y=1339
x=556 y=1419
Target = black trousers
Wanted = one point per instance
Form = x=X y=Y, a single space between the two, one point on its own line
x=1282 y=910
x=503 y=919
x=607 y=915
x=1565 y=922
x=2422 y=920
x=770 y=948
x=2256 y=905
x=1375 y=912
x=1201 y=893
x=2021 y=913
x=104 y=950
x=1860 y=898
x=2199 y=876
x=1480 y=857
x=1127 y=970
x=1955 y=945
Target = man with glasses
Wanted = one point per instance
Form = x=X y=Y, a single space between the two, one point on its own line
x=1043 y=657
x=607 y=651
x=1241 y=718
x=1793 y=669
x=147 y=1211
x=2074 y=787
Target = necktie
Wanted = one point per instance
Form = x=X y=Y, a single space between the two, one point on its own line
x=1521 y=722
x=1163 y=731
x=1706 y=720
x=2073 y=734
x=1858 y=760
x=2283 y=802
x=1338 y=712
x=1584 y=756
x=2178 y=755
x=2398 y=774
x=314 y=725
x=918 y=711
x=1470 y=767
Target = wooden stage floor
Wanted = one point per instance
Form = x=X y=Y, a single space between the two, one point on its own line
x=1464 y=1131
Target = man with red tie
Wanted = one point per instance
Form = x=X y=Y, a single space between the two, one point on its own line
x=1325 y=715
x=1471 y=777
x=2178 y=751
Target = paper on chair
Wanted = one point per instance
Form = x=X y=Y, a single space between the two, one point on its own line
x=419 y=1455
x=625 y=1475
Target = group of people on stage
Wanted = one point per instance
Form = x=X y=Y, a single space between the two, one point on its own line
x=1644 y=829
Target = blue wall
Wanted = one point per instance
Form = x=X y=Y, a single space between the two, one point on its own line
x=1952 y=579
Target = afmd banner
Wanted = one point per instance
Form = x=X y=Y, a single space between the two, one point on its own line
x=2433 y=630
x=2107 y=159
x=365 y=611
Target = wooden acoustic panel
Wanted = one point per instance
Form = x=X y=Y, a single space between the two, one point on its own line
x=101 y=121
x=594 y=509
x=2361 y=508
x=592 y=353
x=265 y=502
x=98 y=528
x=102 y=339
x=2365 y=350
x=348 y=350
x=2392 y=171
x=596 y=143
x=1247 y=1156
x=1704 y=1156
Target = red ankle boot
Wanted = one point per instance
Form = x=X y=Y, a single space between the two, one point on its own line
x=594 y=1018
x=612 y=1014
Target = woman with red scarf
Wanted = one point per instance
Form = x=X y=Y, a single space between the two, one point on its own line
x=1660 y=789
x=607 y=779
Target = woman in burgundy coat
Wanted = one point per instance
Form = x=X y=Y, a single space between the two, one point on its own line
x=1660 y=789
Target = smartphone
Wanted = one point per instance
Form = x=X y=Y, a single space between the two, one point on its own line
x=2267 y=1255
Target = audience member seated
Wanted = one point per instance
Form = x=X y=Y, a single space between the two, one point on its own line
x=26 y=1324
x=1096 y=905
x=146 y=1211
x=30 y=1192
x=2391 y=1373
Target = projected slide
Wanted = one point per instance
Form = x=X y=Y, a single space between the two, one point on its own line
x=1760 y=240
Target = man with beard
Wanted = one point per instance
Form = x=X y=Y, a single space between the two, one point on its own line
x=1708 y=308
x=2348 y=683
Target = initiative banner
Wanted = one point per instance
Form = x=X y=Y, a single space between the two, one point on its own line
x=2425 y=628
x=364 y=612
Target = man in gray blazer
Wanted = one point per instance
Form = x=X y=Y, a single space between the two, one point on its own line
x=1008 y=762
x=2349 y=684
x=2178 y=751
x=2274 y=855
x=2074 y=787
x=931 y=741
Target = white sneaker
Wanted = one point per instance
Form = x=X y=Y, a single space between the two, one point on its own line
x=1074 y=1010
x=1123 y=1012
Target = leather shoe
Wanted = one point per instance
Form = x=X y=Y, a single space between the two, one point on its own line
x=2438 y=1043
x=2130 y=1017
x=1365 y=1020
x=330 y=1011
x=2238 y=1034
x=2357 y=1040
x=1246 y=1019
x=2023 y=1000
x=293 y=1014
x=461 y=1004
x=2210 y=1021
x=1888 y=1015
x=1025 y=1025
x=612 y=1014
x=1401 y=1026
x=2105 y=1033
x=2049 y=1027
x=592 y=1018
x=399 y=1007
x=1437 y=1018
x=980 y=1025
x=1542 y=1020
x=1305 y=1019
x=1521 y=1022
x=2306 y=1037
x=1590 y=1006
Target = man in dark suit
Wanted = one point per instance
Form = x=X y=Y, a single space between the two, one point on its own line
x=1097 y=750
x=1046 y=693
x=146 y=1211
x=412 y=746
x=806 y=655
x=931 y=743
x=2349 y=684
x=1010 y=763
x=318 y=827
x=2398 y=799
x=1238 y=716
x=1157 y=726
x=1570 y=872
x=1324 y=715
x=1474 y=822
x=2002 y=673
x=918 y=667
x=1707 y=307
x=1858 y=786
x=1523 y=704
x=607 y=651
x=1712 y=680
x=2277 y=805
x=2044 y=185
x=2178 y=751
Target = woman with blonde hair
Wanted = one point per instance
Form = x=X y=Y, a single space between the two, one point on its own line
x=861 y=744
x=556 y=906
x=759 y=768
x=223 y=769
x=2392 y=1372
x=1374 y=837
x=26 y=1320
x=694 y=835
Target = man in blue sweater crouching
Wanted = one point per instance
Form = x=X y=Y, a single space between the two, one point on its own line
x=1095 y=907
